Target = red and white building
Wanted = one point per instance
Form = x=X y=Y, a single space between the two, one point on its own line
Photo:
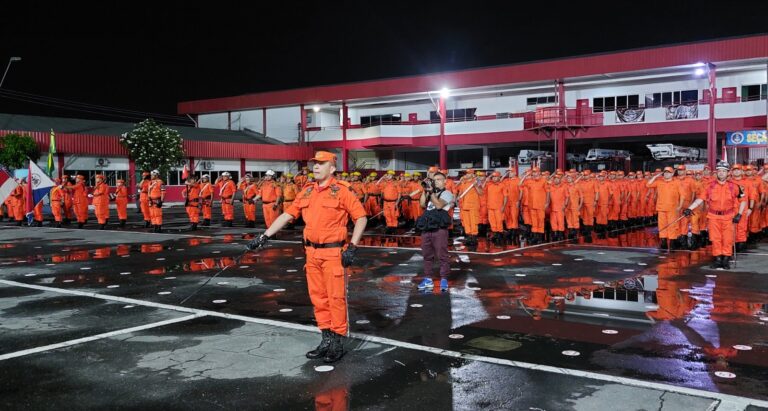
x=690 y=94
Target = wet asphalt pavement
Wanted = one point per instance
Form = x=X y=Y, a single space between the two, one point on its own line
x=117 y=319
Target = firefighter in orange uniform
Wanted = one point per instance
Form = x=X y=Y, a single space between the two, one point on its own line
x=191 y=196
x=668 y=205
x=469 y=205
x=405 y=199
x=726 y=203
x=290 y=190
x=573 y=208
x=512 y=210
x=80 y=200
x=737 y=173
x=536 y=190
x=390 y=193
x=271 y=197
x=372 y=200
x=144 y=198
x=605 y=193
x=496 y=197
x=206 y=198
x=57 y=202
x=156 y=197
x=755 y=218
x=121 y=202
x=301 y=178
x=68 y=201
x=100 y=197
x=688 y=191
x=557 y=200
x=250 y=192
x=326 y=206
x=227 y=191
x=415 y=196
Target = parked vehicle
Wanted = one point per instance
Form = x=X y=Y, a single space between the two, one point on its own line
x=671 y=151
x=526 y=156
x=595 y=154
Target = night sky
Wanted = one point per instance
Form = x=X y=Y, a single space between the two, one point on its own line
x=148 y=58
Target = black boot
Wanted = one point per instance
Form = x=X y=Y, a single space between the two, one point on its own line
x=663 y=244
x=102 y=226
x=725 y=262
x=80 y=225
x=717 y=262
x=206 y=222
x=58 y=224
x=321 y=349
x=122 y=223
x=194 y=226
x=695 y=241
x=158 y=228
x=67 y=221
x=38 y=223
x=741 y=247
x=336 y=350
x=588 y=234
x=147 y=223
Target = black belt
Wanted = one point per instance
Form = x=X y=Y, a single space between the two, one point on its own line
x=308 y=243
x=267 y=202
x=375 y=195
x=390 y=201
x=721 y=212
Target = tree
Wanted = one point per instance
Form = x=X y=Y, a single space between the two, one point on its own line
x=153 y=146
x=16 y=149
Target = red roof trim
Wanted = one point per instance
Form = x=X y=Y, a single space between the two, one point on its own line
x=711 y=51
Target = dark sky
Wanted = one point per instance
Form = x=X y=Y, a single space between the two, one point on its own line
x=148 y=58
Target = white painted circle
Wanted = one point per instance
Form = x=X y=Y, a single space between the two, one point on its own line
x=600 y=253
x=85 y=268
x=455 y=336
x=291 y=271
x=21 y=261
x=556 y=264
x=725 y=374
x=416 y=305
x=362 y=322
x=222 y=283
x=455 y=269
x=610 y=332
x=763 y=318
x=393 y=252
x=244 y=266
x=324 y=368
x=30 y=275
x=279 y=290
x=598 y=282
x=161 y=259
x=179 y=249
x=642 y=264
x=629 y=270
x=571 y=353
x=219 y=301
x=742 y=347
x=403 y=265
x=129 y=306
x=286 y=310
x=298 y=258
x=38 y=247
x=520 y=275
x=518 y=255
x=578 y=259
x=216 y=252
x=503 y=317
x=711 y=276
x=69 y=281
x=169 y=278
x=164 y=293
x=497 y=259
x=125 y=273
x=113 y=286
x=662 y=257
x=125 y=256
x=50 y=264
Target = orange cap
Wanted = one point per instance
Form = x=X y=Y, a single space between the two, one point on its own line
x=587 y=172
x=573 y=170
x=495 y=174
x=481 y=173
x=689 y=172
x=534 y=169
x=99 y=175
x=681 y=167
x=432 y=169
x=736 y=167
x=81 y=176
x=144 y=174
x=471 y=171
x=322 y=156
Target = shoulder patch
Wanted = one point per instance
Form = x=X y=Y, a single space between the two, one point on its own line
x=343 y=183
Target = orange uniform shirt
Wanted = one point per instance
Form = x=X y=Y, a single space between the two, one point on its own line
x=668 y=193
x=495 y=194
x=326 y=211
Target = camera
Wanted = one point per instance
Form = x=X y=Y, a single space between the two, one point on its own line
x=428 y=184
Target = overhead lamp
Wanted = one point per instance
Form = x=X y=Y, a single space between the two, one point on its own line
x=445 y=93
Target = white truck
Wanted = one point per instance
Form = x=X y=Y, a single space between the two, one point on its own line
x=526 y=156
x=575 y=158
x=671 y=151
x=596 y=154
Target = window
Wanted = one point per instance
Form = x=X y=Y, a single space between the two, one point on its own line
x=754 y=92
x=90 y=176
x=621 y=102
x=459 y=114
x=666 y=99
x=367 y=121
x=532 y=101
x=669 y=98
x=597 y=105
x=601 y=104
x=689 y=96
x=609 y=103
x=653 y=100
x=633 y=101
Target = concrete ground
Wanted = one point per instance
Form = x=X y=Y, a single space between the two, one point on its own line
x=117 y=319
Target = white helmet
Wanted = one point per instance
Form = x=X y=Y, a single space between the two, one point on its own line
x=205 y=177
x=270 y=173
x=155 y=172
x=226 y=174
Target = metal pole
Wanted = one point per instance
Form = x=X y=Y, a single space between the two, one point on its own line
x=10 y=61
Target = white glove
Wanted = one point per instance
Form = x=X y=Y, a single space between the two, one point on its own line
x=90 y=195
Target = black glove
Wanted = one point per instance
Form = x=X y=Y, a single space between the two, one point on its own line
x=736 y=218
x=348 y=256
x=687 y=212
x=258 y=242
x=159 y=203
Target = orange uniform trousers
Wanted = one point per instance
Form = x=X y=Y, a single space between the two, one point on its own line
x=588 y=214
x=38 y=210
x=496 y=220
x=665 y=219
x=470 y=218
x=327 y=283
x=80 y=207
x=537 y=220
x=755 y=219
x=68 y=204
x=57 y=210
x=721 y=230
x=742 y=228
x=601 y=213
x=102 y=212
x=156 y=213
x=391 y=213
x=227 y=209
x=144 y=204
x=512 y=216
x=270 y=213
x=121 y=203
x=572 y=217
x=249 y=210
x=372 y=205
x=193 y=210
x=557 y=220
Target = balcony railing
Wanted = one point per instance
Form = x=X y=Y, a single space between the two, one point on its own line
x=561 y=117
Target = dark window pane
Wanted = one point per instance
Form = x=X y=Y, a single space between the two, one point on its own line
x=649 y=103
x=689 y=96
x=597 y=294
x=666 y=99
x=621 y=294
x=632 y=295
x=676 y=97
x=433 y=117
x=530 y=101
x=542 y=100
x=610 y=103
x=609 y=293
x=634 y=101
x=621 y=102
x=597 y=104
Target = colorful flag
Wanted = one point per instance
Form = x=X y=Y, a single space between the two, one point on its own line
x=38 y=186
x=51 y=152
x=184 y=173
x=7 y=185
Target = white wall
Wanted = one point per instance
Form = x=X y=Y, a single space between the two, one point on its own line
x=89 y=163
x=283 y=166
x=422 y=110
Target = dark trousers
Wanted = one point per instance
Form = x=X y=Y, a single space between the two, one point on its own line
x=434 y=248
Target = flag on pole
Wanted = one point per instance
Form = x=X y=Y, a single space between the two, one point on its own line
x=185 y=173
x=51 y=153
x=7 y=185
x=38 y=186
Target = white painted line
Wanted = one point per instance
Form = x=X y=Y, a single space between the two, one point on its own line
x=437 y=351
x=97 y=337
x=324 y=368
x=455 y=336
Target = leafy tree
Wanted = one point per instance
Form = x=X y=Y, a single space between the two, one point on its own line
x=154 y=146
x=15 y=149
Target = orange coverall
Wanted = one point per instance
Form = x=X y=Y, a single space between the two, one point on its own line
x=101 y=202
x=470 y=206
x=156 y=193
x=495 y=195
x=391 y=192
x=270 y=194
x=722 y=200
x=227 y=192
x=121 y=201
x=667 y=205
x=512 y=211
x=558 y=194
x=537 y=199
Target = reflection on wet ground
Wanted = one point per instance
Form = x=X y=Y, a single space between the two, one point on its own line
x=616 y=305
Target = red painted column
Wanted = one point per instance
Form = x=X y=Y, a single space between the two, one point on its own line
x=264 y=121
x=344 y=125
x=560 y=133
x=711 y=130
x=131 y=177
x=443 y=148
x=60 y=160
x=302 y=132
x=242 y=168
